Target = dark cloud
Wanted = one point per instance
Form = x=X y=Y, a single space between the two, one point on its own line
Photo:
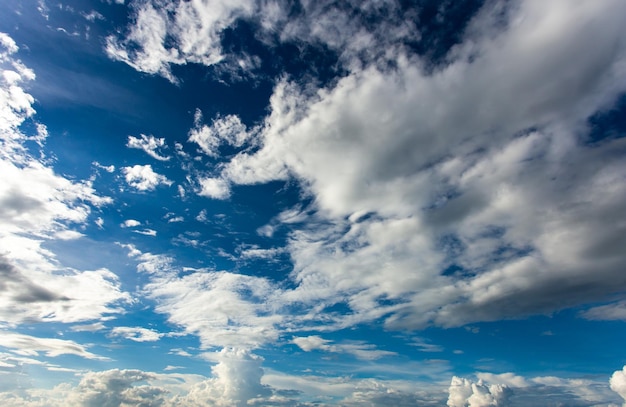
x=20 y=288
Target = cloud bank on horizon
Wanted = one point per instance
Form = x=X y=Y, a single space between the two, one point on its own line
x=365 y=183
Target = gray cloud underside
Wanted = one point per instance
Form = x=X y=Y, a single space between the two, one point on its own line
x=442 y=196
x=483 y=164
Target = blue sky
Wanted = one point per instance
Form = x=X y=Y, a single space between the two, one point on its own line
x=293 y=203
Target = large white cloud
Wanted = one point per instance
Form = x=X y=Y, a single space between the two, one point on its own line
x=237 y=380
x=223 y=309
x=464 y=392
x=482 y=164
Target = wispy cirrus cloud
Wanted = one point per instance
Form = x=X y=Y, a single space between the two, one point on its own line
x=27 y=345
x=359 y=350
x=176 y=34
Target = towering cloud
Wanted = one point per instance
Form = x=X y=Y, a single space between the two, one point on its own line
x=465 y=393
x=618 y=383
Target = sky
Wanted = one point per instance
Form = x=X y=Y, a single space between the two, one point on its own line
x=312 y=203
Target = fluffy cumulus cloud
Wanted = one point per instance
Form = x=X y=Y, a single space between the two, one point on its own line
x=618 y=383
x=237 y=381
x=227 y=130
x=102 y=389
x=436 y=171
x=460 y=192
x=215 y=188
x=143 y=177
x=465 y=393
x=509 y=389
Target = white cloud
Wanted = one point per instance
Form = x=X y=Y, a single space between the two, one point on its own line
x=222 y=309
x=92 y=16
x=494 y=184
x=137 y=334
x=610 y=312
x=95 y=327
x=70 y=297
x=108 y=388
x=358 y=349
x=107 y=168
x=149 y=144
x=257 y=253
x=130 y=223
x=68 y=235
x=115 y=388
x=15 y=103
x=508 y=379
x=176 y=33
x=464 y=392
x=425 y=346
x=510 y=389
x=202 y=216
x=229 y=130
x=215 y=188
x=27 y=345
x=237 y=380
x=146 y=232
x=618 y=383
x=148 y=262
x=143 y=178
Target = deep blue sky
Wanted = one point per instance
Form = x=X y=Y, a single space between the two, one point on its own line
x=312 y=203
